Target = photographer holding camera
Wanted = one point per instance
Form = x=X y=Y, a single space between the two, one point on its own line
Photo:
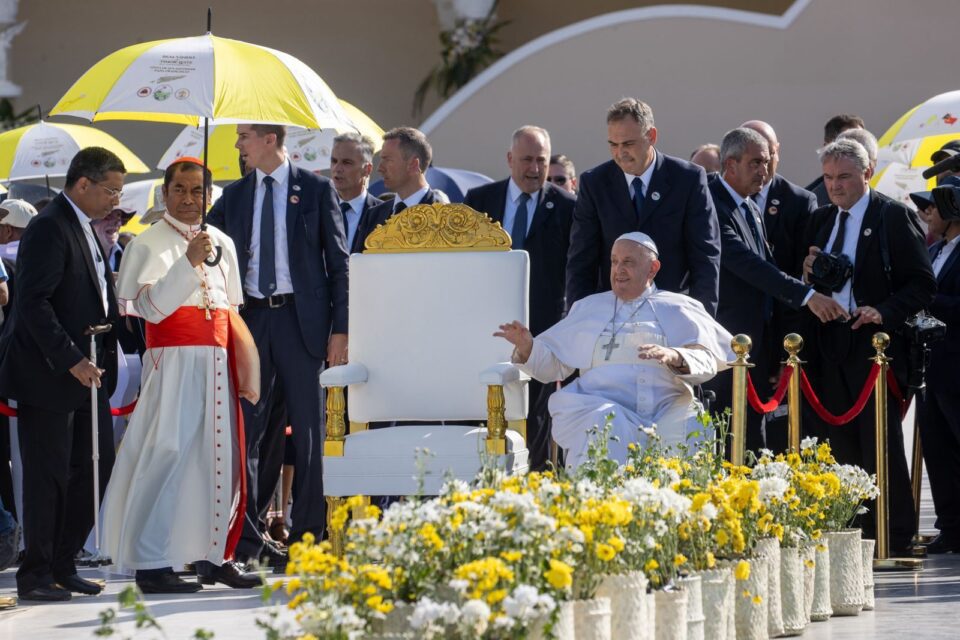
x=939 y=409
x=868 y=252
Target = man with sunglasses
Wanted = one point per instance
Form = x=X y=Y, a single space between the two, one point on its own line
x=64 y=286
x=537 y=215
x=562 y=173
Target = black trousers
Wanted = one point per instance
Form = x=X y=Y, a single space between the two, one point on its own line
x=284 y=359
x=56 y=450
x=939 y=415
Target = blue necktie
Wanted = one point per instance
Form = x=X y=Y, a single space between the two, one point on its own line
x=344 y=209
x=268 y=263
x=754 y=229
x=638 y=196
x=519 y=232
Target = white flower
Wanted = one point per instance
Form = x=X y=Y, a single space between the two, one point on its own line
x=430 y=617
x=809 y=442
x=526 y=603
x=474 y=615
x=709 y=511
x=771 y=488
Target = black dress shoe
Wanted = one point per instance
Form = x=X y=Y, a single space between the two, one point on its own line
x=273 y=555
x=166 y=583
x=944 y=543
x=46 y=593
x=80 y=585
x=233 y=574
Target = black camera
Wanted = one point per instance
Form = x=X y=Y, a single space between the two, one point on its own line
x=920 y=332
x=831 y=270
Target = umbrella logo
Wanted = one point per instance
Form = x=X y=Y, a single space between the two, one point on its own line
x=295 y=156
x=949 y=118
x=143 y=92
x=162 y=92
x=182 y=94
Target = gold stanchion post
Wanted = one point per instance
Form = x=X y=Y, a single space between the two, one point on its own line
x=793 y=343
x=738 y=416
x=883 y=560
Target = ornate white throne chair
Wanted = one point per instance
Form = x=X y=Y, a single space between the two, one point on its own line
x=426 y=295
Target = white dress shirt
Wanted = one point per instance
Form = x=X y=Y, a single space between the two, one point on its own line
x=353 y=215
x=941 y=258
x=251 y=282
x=646 y=176
x=510 y=207
x=413 y=199
x=850 y=239
x=95 y=254
x=761 y=198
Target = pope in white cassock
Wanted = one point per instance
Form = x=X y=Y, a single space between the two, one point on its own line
x=177 y=494
x=639 y=351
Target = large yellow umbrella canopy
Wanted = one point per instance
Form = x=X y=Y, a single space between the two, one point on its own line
x=45 y=149
x=185 y=80
x=308 y=148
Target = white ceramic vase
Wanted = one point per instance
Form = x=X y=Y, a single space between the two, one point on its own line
x=820 y=609
x=770 y=549
x=591 y=619
x=792 y=592
x=867 y=547
x=808 y=555
x=846 y=572
x=693 y=585
x=628 y=607
x=562 y=628
x=396 y=624
x=750 y=596
x=671 y=615
x=716 y=587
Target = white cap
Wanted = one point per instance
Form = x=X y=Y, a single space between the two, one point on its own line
x=641 y=239
x=16 y=213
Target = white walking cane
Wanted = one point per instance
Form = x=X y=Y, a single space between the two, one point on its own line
x=93 y=331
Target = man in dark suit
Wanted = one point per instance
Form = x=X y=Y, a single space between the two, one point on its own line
x=63 y=288
x=644 y=190
x=292 y=252
x=750 y=281
x=834 y=127
x=939 y=409
x=351 y=163
x=404 y=159
x=538 y=216
x=855 y=225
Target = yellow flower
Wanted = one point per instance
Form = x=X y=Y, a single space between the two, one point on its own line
x=679 y=560
x=560 y=575
x=722 y=537
x=742 y=572
x=616 y=543
x=810 y=564
x=651 y=566
x=605 y=552
x=511 y=556
x=293 y=585
x=297 y=600
x=496 y=596
x=711 y=560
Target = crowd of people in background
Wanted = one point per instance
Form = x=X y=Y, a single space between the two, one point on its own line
x=740 y=238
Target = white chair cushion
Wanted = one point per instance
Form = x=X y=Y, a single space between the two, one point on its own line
x=384 y=461
x=422 y=324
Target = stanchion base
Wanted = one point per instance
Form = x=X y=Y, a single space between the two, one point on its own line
x=921 y=539
x=918 y=551
x=898 y=564
x=7 y=602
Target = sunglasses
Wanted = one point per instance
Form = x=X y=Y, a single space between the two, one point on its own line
x=561 y=180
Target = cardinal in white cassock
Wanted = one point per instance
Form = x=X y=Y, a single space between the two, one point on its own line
x=639 y=350
x=178 y=492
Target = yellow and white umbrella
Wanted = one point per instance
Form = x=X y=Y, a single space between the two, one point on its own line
x=187 y=80
x=145 y=197
x=940 y=115
x=45 y=150
x=308 y=148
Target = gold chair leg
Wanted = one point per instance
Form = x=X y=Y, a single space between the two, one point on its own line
x=335 y=535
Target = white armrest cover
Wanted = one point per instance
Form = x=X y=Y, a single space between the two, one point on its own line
x=343 y=375
x=422 y=324
x=503 y=373
x=384 y=461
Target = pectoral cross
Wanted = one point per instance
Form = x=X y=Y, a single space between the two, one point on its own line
x=610 y=346
x=206 y=303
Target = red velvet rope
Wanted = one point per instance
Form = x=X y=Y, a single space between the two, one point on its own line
x=896 y=393
x=776 y=398
x=10 y=412
x=854 y=411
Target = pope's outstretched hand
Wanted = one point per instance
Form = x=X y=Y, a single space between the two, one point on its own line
x=519 y=336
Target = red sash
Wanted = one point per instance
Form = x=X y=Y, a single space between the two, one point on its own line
x=189 y=327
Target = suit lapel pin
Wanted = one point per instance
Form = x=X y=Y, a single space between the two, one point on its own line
x=867 y=232
x=655 y=195
x=295 y=187
x=774 y=201
x=294 y=199
x=772 y=210
x=549 y=205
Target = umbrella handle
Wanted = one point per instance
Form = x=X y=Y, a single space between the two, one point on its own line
x=215 y=260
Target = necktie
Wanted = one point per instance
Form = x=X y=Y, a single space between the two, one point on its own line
x=748 y=213
x=268 y=265
x=345 y=208
x=837 y=246
x=638 y=196
x=519 y=232
x=400 y=207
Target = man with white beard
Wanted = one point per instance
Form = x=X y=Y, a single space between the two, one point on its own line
x=639 y=351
